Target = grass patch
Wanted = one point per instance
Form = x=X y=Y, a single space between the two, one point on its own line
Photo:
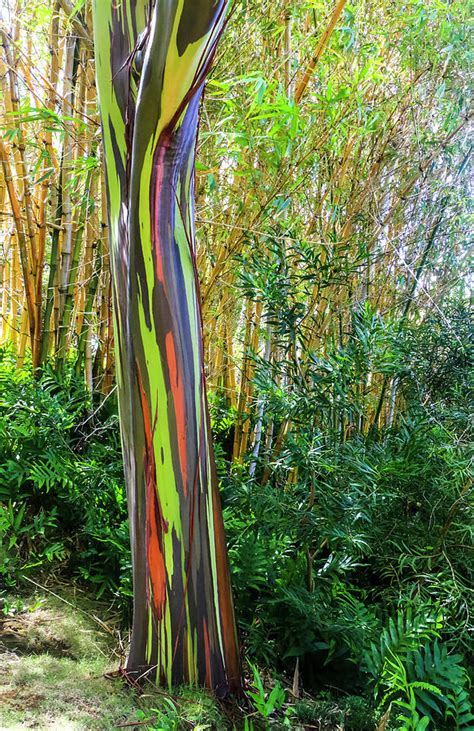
x=53 y=659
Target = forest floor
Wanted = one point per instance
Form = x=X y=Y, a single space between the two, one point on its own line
x=55 y=661
x=60 y=654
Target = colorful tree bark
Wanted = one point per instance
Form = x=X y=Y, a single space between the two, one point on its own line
x=152 y=59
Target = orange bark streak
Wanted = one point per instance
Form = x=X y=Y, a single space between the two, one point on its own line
x=154 y=519
x=156 y=563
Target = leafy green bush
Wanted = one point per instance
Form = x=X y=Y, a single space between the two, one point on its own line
x=62 y=495
x=347 y=546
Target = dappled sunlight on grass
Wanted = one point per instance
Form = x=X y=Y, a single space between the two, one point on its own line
x=53 y=661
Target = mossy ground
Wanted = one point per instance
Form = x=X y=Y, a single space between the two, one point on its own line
x=53 y=663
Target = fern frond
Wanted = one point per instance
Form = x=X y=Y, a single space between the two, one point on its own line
x=400 y=638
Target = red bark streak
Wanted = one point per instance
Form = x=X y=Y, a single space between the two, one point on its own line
x=155 y=522
x=159 y=176
x=177 y=390
x=156 y=564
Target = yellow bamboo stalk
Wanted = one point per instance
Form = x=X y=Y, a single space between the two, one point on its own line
x=323 y=41
x=4 y=289
x=24 y=327
x=15 y=288
x=28 y=274
x=249 y=376
x=230 y=379
x=287 y=20
x=67 y=163
x=23 y=173
x=243 y=382
x=216 y=380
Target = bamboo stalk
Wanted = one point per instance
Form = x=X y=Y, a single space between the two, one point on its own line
x=24 y=328
x=70 y=79
x=84 y=340
x=249 y=376
x=258 y=431
x=4 y=289
x=243 y=383
x=65 y=321
x=26 y=265
x=15 y=287
x=48 y=167
x=322 y=43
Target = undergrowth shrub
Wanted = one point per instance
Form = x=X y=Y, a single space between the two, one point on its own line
x=349 y=546
x=62 y=496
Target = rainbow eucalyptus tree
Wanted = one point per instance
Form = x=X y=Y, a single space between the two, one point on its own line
x=152 y=60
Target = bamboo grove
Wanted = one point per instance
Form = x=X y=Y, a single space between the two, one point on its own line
x=326 y=122
x=331 y=190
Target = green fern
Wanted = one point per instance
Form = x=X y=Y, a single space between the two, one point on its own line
x=50 y=471
x=401 y=692
x=433 y=665
x=401 y=637
x=427 y=683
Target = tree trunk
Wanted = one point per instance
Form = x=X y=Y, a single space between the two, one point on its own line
x=152 y=60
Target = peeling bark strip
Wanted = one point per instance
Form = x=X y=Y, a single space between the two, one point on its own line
x=152 y=60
